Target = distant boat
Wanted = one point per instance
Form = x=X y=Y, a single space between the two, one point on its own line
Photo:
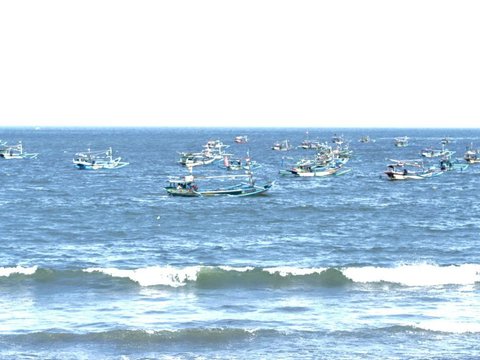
x=97 y=160
x=327 y=161
x=308 y=144
x=282 y=146
x=311 y=145
x=446 y=140
x=447 y=164
x=187 y=186
x=401 y=141
x=213 y=150
x=11 y=152
x=189 y=159
x=409 y=170
x=314 y=171
x=366 y=139
x=237 y=164
x=431 y=153
x=338 y=139
x=241 y=139
x=472 y=156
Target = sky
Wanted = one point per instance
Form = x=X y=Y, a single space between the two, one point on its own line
x=245 y=63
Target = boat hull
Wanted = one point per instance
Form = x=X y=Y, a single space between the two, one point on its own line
x=392 y=175
x=99 y=166
x=243 y=190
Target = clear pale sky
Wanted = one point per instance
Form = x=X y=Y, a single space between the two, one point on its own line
x=352 y=63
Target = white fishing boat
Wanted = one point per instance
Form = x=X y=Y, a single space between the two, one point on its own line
x=327 y=161
x=312 y=171
x=237 y=164
x=472 y=156
x=366 y=139
x=97 y=160
x=317 y=167
x=310 y=145
x=216 y=146
x=11 y=152
x=446 y=140
x=213 y=150
x=410 y=170
x=241 y=139
x=401 y=141
x=338 y=139
x=197 y=159
x=432 y=153
x=282 y=146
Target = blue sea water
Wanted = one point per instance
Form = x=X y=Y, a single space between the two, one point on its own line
x=105 y=265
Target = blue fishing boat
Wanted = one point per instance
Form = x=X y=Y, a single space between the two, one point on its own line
x=189 y=186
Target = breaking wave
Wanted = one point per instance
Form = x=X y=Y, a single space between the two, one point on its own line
x=7 y=271
x=226 y=276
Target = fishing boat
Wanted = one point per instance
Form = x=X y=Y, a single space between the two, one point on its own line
x=282 y=146
x=188 y=186
x=327 y=161
x=241 y=139
x=97 y=160
x=449 y=164
x=472 y=156
x=401 y=141
x=323 y=164
x=217 y=147
x=311 y=171
x=11 y=152
x=366 y=139
x=238 y=164
x=338 y=139
x=432 y=153
x=190 y=160
x=213 y=150
x=410 y=170
x=446 y=140
x=310 y=145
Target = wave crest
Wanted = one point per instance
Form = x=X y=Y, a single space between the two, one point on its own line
x=154 y=275
x=416 y=274
x=7 y=271
x=227 y=276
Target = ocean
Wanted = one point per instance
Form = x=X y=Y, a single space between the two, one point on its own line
x=106 y=265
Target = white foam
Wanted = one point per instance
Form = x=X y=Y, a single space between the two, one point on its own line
x=287 y=270
x=7 y=271
x=154 y=275
x=417 y=274
x=448 y=326
x=238 y=269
